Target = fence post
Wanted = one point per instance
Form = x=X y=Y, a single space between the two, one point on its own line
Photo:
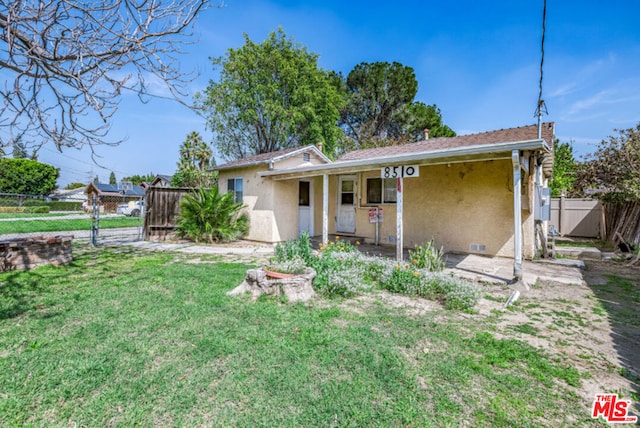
x=561 y=214
x=95 y=221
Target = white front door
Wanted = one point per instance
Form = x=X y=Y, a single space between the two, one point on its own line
x=305 y=208
x=346 y=212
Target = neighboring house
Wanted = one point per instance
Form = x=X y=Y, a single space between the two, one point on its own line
x=69 y=195
x=110 y=195
x=162 y=181
x=458 y=191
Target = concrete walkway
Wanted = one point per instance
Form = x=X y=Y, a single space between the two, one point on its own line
x=491 y=270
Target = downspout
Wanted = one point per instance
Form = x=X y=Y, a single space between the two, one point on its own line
x=517 y=217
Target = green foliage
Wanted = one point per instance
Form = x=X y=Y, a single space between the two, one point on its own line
x=137 y=179
x=294 y=265
x=341 y=270
x=37 y=210
x=299 y=247
x=211 y=216
x=53 y=205
x=196 y=157
x=25 y=176
x=564 y=170
x=380 y=109
x=195 y=154
x=428 y=257
x=19 y=149
x=271 y=96
x=112 y=178
x=612 y=171
x=74 y=185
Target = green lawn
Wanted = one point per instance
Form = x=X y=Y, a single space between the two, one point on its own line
x=62 y=225
x=120 y=338
x=32 y=215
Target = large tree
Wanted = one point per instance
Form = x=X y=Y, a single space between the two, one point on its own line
x=564 y=170
x=28 y=177
x=196 y=157
x=380 y=107
x=271 y=96
x=613 y=171
x=66 y=63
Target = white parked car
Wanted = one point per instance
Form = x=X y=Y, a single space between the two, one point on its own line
x=133 y=208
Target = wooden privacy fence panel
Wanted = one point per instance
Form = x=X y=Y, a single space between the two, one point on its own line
x=163 y=208
x=623 y=218
x=577 y=217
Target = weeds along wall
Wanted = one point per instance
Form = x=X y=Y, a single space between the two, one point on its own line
x=28 y=253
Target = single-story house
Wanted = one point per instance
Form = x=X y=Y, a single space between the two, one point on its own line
x=69 y=195
x=471 y=194
x=162 y=180
x=111 y=195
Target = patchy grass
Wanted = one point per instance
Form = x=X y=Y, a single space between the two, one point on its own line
x=147 y=339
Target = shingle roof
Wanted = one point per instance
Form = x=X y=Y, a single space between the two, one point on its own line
x=523 y=133
x=264 y=157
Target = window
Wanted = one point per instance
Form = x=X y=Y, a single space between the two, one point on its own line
x=304 y=194
x=381 y=191
x=234 y=185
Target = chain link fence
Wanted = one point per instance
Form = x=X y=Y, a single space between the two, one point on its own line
x=95 y=220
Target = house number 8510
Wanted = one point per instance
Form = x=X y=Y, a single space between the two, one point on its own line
x=400 y=171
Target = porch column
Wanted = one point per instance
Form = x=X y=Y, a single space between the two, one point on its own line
x=517 y=217
x=325 y=208
x=399 y=231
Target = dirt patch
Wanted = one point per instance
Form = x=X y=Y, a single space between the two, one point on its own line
x=594 y=327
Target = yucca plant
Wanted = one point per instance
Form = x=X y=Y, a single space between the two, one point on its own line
x=211 y=216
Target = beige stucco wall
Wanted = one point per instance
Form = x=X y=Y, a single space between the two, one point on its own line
x=457 y=205
x=258 y=196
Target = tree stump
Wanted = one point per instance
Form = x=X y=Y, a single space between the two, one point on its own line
x=296 y=289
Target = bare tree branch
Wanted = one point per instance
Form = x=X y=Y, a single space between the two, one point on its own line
x=66 y=63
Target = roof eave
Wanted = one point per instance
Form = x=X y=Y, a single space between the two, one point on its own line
x=275 y=159
x=367 y=164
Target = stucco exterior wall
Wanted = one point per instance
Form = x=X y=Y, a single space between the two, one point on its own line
x=258 y=196
x=458 y=205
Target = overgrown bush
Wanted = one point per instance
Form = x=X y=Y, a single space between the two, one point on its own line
x=37 y=210
x=211 y=216
x=300 y=247
x=294 y=265
x=428 y=257
x=343 y=271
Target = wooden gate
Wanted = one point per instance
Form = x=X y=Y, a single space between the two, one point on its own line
x=163 y=208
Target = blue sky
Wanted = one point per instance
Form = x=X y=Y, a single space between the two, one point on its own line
x=477 y=60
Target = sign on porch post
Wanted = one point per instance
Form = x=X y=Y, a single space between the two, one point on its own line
x=399 y=172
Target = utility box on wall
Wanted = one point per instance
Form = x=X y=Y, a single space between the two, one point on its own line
x=542 y=204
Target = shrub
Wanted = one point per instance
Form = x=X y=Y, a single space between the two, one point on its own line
x=211 y=216
x=37 y=210
x=294 y=265
x=300 y=247
x=428 y=257
x=340 y=273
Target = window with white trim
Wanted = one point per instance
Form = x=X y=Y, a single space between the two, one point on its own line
x=381 y=191
x=234 y=185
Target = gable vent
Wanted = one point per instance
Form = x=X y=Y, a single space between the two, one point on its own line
x=306 y=157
